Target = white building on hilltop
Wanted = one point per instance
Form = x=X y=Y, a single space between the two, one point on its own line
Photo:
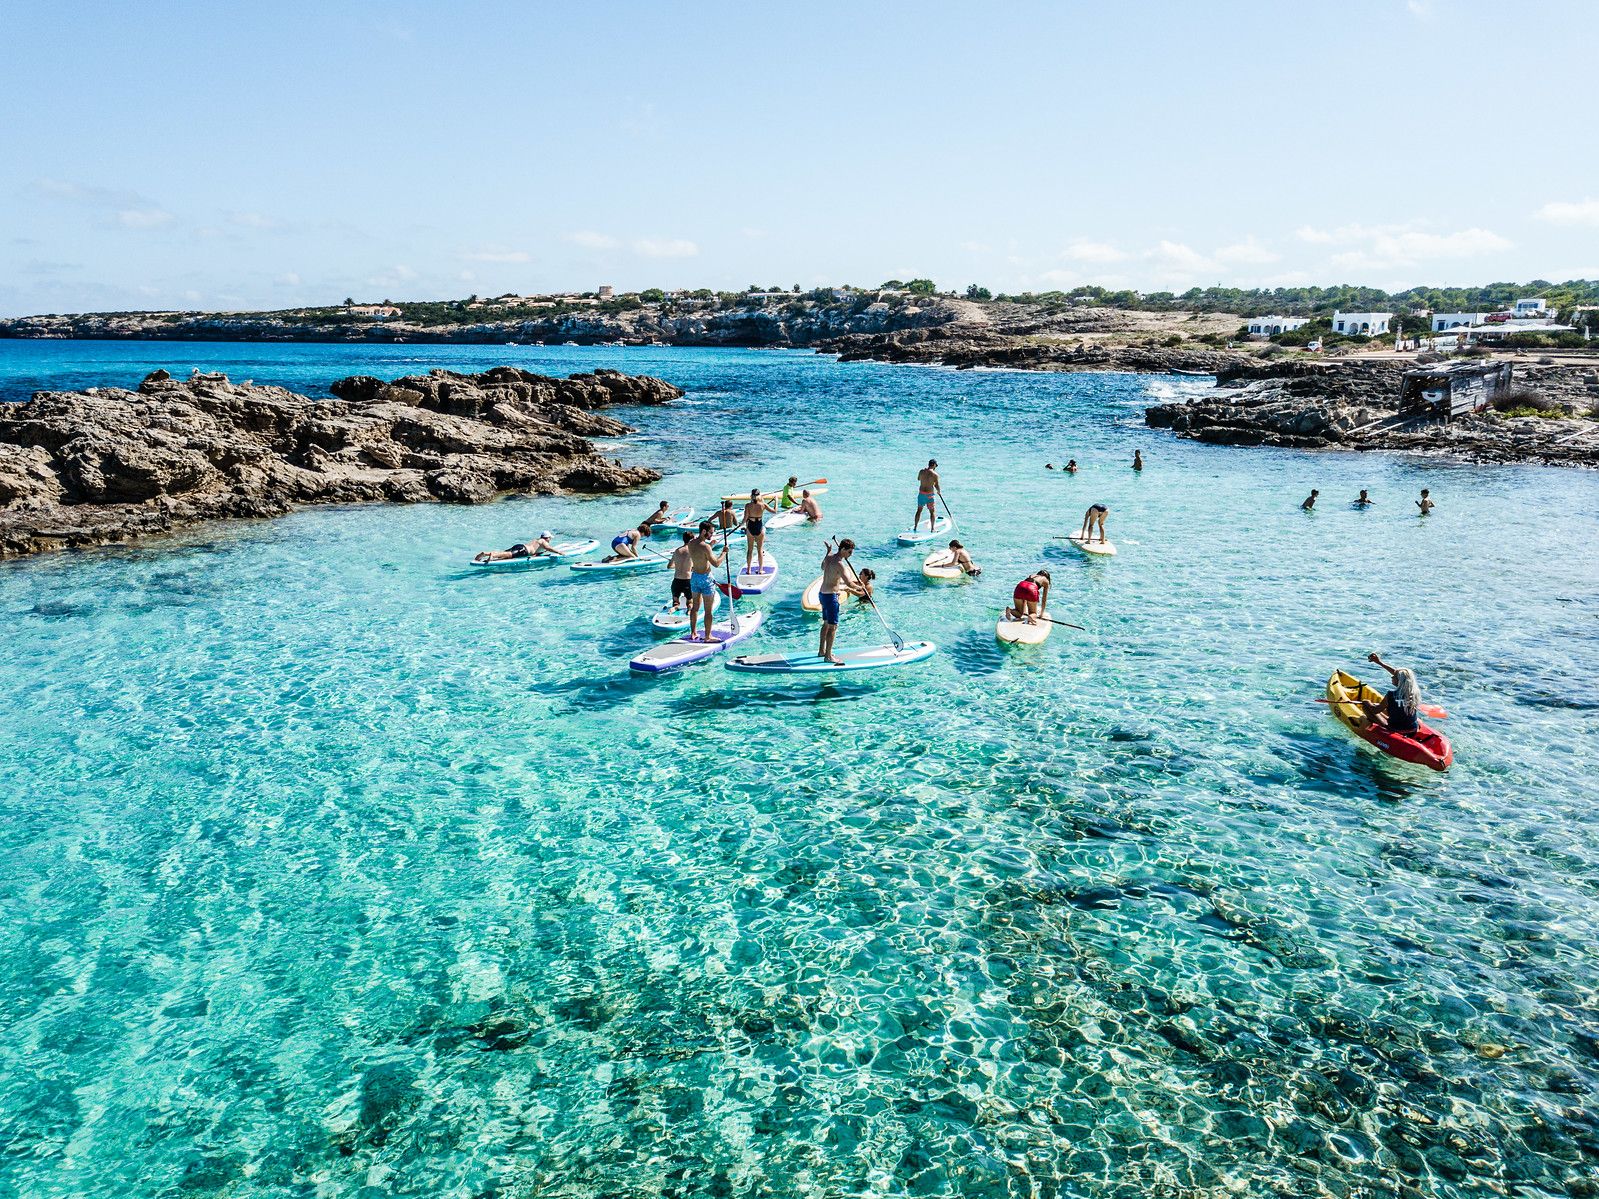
x=1530 y=310
x=1456 y=320
x=1267 y=326
x=1361 y=324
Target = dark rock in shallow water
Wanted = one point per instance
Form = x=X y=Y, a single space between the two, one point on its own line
x=108 y=465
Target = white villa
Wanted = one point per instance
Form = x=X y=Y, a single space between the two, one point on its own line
x=1361 y=324
x=1266 y=326
x=1530 y=310
x=1456 y=320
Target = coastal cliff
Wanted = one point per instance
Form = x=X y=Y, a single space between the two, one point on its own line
x=109 y=465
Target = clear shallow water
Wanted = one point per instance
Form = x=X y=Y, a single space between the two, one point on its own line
x=333 y=865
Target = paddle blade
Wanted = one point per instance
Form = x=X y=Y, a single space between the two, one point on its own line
x=729 y=590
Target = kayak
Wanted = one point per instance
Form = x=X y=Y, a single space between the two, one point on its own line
x=819 y=487
x=623 y=565
x=940 y=564
x=676 y=522
x=1425 y=747
x=668 y=621
x=1019 y=632
x=756 y=579
x=565 y=552
x=674 y=655
x=914 y=536
x=870 y=658
x=1103 y=549
x=811 y=600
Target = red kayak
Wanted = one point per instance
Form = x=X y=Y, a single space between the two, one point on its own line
x=1425 y=747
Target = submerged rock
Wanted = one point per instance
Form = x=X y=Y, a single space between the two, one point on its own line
x=108 y=465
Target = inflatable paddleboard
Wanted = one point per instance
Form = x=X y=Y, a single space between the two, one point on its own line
x=871 y=658
x=1019 y=632
x=668 y=621
x=1103 y=549
x=756 y=579
x=565 y=552
x=785 y=520
x=679 y=521
x=624 y=565
x=811 y=600
x=915 y=536
x=674 y=655
x=940 y=564
x=817 y=488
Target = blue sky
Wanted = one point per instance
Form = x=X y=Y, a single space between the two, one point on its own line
x=229 y=156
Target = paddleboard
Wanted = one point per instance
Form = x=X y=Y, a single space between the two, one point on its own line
x=870 y=658
x=915 y=536
x=819 y=488
x=1103 y=549
x=668 y=621
x=566 y=551
x=644 y=562
x=676 y=522
x=940 y=564
x=674 y=655
x=757 y=579
x=1019 y=632
x=785 y=520
x=811 y=600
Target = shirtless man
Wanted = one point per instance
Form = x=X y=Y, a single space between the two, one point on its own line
x=1092 y=519
x=1071 y=467
x=1362 y=500
x=544 y=545
x=1425 y=502
x=755 y=528
x=703 y=559
x=809 y=506
x=927 y=491
x=1310 y=501
x=726 y=518
x=682 y=570
x=835 y=569
x=625 y=545
x=1138 y=460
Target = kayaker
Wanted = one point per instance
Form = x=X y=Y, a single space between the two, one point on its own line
x=755 y=528
x=959 y=557
x=625 y=545
x=1310 y=501
x=1138 y=460
x=544 y=545
x=1425 y=502
x=787 y=500
x=703 y=558
x=1363 y=500
x=927 y=491
x=1092 y=519
x=682 y=571
x=809 y=506
x=1030 y=599
x=658 y=517
x=834 y=567
x=1400 y=708
x=1071 y=467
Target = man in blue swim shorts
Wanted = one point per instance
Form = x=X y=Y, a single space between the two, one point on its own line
x=703 y=558
x=927 y=490
x=834 y=569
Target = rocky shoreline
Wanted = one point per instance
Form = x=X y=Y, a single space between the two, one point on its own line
x=968 y=347
x=109 y=465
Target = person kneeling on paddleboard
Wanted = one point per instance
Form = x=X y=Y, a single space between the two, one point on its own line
x=544 y=545
x=703 y=558
x=625 y=545
x=959 y=557
x=834 y=568
x=1401 y=707
x=809 y=506
x=1030 y=599
x=682 y=570
x=658 y=517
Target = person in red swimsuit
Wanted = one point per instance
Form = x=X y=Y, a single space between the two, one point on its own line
x=1030 y=600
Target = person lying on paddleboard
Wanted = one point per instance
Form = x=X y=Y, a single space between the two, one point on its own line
x=755 y=528
x=1425 y=502
x=682 y=571
x=787 y=500
x=927 y=491
x=1362 y=500
x=658 y=517
x=809 y=506
x=1138 y=460
x=835 y=570
x=1030 y=599
x=703 y=559
x=959 y=557
x=544 y=545
x=1093 y=519
x=1310 y=501
x=625 y=545
x=1399 y=709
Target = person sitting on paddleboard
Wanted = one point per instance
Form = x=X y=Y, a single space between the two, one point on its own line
x=755 y=528
x=544 y=545
x=1093 y=519
x=835 y=570
x=726 y=518
x=1071 y=467
x=809 y=506
x=658 y=517
x=1425 y=502
x=787 y=500
x=1310 y=500
x=1031 y=597
x=682 y=571
x=1363 y=500
x=927 y=491
x=1138 y=460
x=1400 y=708
x=703 y=558
x=959 y=557
x=625 y=545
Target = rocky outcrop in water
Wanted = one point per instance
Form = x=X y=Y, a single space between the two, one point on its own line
x=966 y=347
x=109 y=465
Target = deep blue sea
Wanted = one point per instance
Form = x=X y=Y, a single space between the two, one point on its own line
x=333 y=867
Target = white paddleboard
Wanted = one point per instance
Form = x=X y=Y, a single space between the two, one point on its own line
x=565 y=552
x=674 y=655
x=1104 y=549
x=871 y=658
x=1019 y=632
x=668 y=621
x=940 y=564
x=814 y=489
x=643 y=562
x=915 y=536
x=785 y=520
x=676 y=522
x=757 y=578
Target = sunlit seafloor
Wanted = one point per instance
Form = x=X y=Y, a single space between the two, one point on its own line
x=333 y=867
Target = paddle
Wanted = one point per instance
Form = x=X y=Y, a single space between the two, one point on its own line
x=1432 y=710
x=733 y=593
x=947 y=512
x=899 y=642
x=1065 y=624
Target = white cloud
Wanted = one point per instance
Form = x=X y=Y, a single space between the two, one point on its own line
x=1568 y=212
x=494 y=255
x=1380 y=247
x=670 y=247
x=1320 y=237
x=1177 y=256
x=590 y=240
x=1248 y=252
x=144 y=218
x=288 y=279
x=252 y=220
x=1083 y=250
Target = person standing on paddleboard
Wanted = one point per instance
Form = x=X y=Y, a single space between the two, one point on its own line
x=682 y=571
x=1092 y=519
x=755 y=528
x=834 y=567
x=703 y=559
x=1030 y=600
x=927 y=489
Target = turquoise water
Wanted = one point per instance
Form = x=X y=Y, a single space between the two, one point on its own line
x=334 y=868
